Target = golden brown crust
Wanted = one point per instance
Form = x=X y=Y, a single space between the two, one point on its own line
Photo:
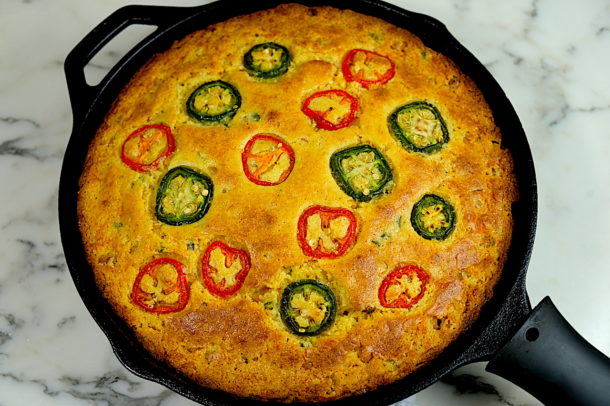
x=236 y=344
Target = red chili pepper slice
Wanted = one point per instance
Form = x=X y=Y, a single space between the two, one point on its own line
x=331 y=109
x=161 y=287
x=267 y=160
x=367 y=68
x=224 y=269
x=147 y=146
x=405 y=298
x=326 y=232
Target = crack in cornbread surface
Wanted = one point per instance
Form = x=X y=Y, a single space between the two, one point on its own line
x=239 y=344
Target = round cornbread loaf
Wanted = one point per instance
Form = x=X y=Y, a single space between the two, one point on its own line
x=203 y=273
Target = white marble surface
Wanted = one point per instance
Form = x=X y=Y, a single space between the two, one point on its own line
x=552 y=57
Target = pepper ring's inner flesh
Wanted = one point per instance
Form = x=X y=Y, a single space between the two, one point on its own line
x=309 y=308
x=225 y=267
x=420 y=126
x=183 y=196
x=326 y=235
x=433 y=218
x=162 y=288
x=267 y=59
x=214 y=101
x=334 y=108
x=268 y=160
x=362 y=172
x=147 y=147
x=406 y=287
x=369 y=67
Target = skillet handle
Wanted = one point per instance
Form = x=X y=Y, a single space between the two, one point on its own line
x=82 y=94
x=550 y=360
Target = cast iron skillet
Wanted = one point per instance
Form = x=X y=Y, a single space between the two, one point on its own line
x=536 y=349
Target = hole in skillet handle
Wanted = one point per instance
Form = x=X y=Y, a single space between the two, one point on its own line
x=107 y=57
x=82 y=92
x=532 y=334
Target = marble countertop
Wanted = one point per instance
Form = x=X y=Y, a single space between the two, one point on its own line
x=552 y=59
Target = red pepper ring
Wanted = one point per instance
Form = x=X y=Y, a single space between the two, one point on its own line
x=140 y=297
x=358 y=76
x=319 y=117
x=265 y=160
x=403 y=301
x=231 y=255
x=144 y=145
x=327 y=214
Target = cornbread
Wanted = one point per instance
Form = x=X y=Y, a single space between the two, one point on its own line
x=300 y=204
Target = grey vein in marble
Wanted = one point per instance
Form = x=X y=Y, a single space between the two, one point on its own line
x=109 y=389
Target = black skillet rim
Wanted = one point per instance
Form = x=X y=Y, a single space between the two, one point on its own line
x=498 y=318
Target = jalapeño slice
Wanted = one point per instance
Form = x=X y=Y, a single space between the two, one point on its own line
x=433 y=217
x=183 y=197
x=419 y=127
x=361 y=171
x=308 y=307
x=213 y=102
x=267 y=60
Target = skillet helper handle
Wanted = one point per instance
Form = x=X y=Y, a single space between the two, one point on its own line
x=550 y=360
x=82 y=94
